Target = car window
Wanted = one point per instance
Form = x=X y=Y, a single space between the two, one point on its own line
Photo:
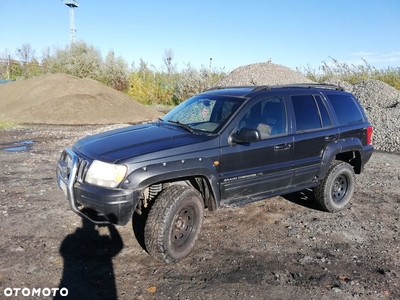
x=306 y=112
x=204 y=114
x=268 y=116
x=346 y=109
x=326 y=120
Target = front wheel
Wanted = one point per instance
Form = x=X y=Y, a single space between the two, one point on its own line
x=335 y=191
x=174 y=223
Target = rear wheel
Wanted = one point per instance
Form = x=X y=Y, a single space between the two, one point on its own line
x=335 y=191
x=174 y=223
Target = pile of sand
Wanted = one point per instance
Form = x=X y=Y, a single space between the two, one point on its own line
x=68 y=100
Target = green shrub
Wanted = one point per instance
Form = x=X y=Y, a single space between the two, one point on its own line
x=150 y=86
x=77 y=59
x=192 y=81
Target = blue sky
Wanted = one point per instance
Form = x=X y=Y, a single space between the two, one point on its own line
x=293 y=33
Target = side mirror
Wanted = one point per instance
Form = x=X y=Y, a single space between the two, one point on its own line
x=246 y=135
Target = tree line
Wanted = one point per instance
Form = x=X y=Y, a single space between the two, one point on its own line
x=143 y=82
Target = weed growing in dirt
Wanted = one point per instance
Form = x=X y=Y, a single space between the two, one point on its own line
x=7 y=125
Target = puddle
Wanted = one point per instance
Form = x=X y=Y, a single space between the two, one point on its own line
x=20 y=146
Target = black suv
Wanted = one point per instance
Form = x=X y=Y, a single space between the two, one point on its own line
x=226 y=146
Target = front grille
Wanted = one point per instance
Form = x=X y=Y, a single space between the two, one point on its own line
x=83 y=166
x=66 y=166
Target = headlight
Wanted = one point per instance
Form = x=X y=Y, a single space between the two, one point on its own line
x=105 y=174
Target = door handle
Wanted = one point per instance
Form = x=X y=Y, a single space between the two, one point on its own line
x=282 y=147
x=330 y=138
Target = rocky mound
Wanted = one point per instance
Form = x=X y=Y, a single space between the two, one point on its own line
x=263 y=74
x=382 y=105
x=68 y=100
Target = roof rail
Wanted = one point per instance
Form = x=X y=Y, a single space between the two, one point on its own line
x=216 y=88
x=255 y=87
x=312 y=85
x=258 y=88
x=261 y=88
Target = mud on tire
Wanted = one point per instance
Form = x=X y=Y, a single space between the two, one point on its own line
x=174 y=223
x=335 y=191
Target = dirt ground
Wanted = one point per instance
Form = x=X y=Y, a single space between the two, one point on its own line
x=279 y=248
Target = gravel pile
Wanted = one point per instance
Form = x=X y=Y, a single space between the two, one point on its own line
x=381 y=101
x=263 y=74
x=382 y=105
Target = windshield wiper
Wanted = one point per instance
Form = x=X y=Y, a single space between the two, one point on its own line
x=187 y=127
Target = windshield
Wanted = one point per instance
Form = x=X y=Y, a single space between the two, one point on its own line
x=204 y=113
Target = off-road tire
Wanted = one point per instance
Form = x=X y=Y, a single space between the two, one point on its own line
x=174 y=223
x=335 y=191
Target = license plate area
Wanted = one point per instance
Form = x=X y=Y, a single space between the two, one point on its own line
x=63 y=186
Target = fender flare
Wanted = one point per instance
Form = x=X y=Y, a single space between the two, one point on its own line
x=334 y=148
x=145 y=176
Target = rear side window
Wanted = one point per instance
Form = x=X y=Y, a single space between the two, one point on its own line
x=346 y=109
x=306 y=112
x=326 y=121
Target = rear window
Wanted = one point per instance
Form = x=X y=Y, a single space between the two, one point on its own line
x=346 y=109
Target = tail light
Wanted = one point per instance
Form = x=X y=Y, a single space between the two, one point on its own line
x=369 y=135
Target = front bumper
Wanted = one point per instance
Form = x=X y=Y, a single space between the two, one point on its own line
x=98 y=204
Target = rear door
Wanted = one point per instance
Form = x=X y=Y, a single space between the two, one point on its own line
x=350 y=115
x=313 y=132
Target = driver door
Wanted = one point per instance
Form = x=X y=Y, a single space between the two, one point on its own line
x=250 y=171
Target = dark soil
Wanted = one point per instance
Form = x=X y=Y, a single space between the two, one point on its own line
x=279 y=248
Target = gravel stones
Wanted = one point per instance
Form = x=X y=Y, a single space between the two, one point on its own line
x=284 y=246
x=263 y=74
x=382 y=105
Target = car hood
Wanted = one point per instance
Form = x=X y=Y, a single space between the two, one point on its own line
x=138 y=140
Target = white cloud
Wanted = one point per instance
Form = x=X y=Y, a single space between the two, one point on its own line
x=361 y=53
x=389 y=58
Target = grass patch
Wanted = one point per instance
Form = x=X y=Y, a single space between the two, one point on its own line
x=7 y=125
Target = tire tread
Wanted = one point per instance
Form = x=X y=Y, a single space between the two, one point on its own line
x=322 y=191
x=156 y=227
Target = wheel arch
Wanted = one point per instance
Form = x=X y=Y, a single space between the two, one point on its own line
x=347 y=150
x=203 y=179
